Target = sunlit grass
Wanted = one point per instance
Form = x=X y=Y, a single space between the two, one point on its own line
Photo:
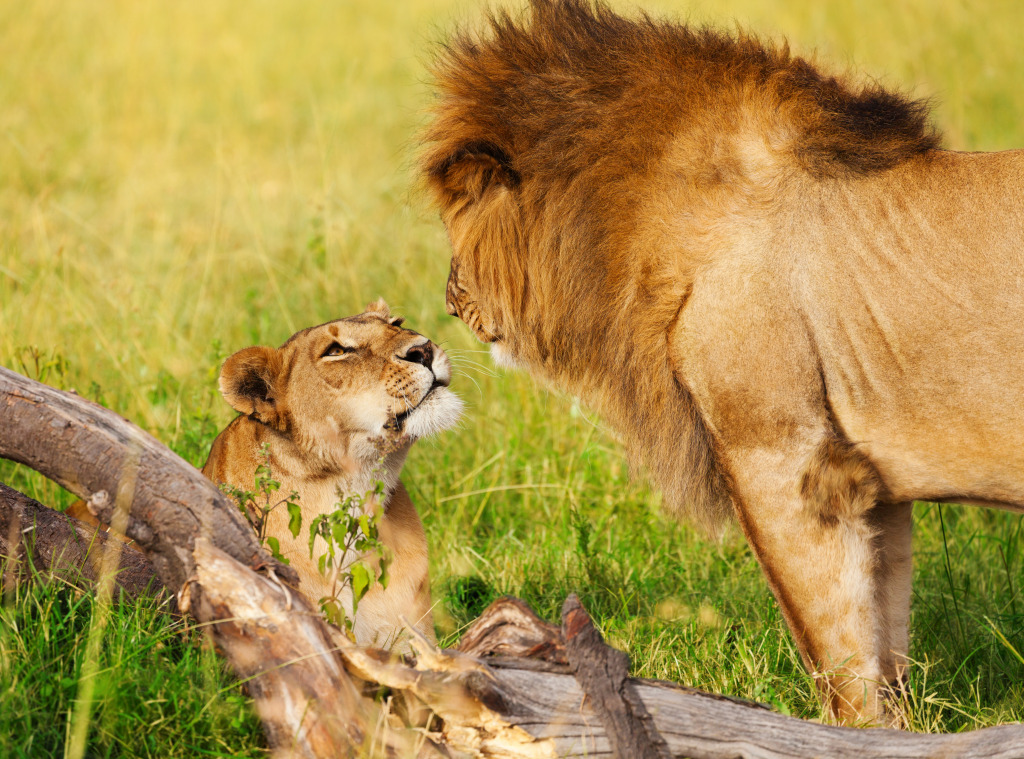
x=179 y=180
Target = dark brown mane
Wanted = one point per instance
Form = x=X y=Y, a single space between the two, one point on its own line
x=571 y=73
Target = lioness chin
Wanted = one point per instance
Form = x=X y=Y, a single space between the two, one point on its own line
x=792 y=305
x=339 y=406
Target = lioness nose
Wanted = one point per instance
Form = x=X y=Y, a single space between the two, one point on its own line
x=420 y=354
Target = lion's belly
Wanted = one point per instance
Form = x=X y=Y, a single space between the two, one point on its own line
x=938 y=403
x=920 y=330
x=951 y=444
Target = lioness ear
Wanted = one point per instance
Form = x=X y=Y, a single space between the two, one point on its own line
x=248 y=382
x=473 y=168
x=379 y=308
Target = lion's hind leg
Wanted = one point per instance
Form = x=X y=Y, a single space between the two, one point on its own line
x=893 y=523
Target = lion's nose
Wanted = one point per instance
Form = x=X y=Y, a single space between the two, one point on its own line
x=450 y=308
x=419 y=354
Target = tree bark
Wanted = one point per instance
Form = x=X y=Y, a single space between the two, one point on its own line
x=57 y=545
x=85 y=448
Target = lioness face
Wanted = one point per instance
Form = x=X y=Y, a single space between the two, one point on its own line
x=341 y=389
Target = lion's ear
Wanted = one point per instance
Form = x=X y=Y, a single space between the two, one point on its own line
x=473 y=168
x=248 y=382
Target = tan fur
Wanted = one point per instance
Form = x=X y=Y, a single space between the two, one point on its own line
x=792 y=305
x=339 y=406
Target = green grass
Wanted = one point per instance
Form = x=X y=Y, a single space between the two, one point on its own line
x=180 y=180
x=158 y=692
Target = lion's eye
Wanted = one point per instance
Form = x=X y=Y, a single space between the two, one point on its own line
x=337 y=349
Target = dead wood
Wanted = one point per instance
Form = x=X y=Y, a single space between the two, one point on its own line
x=273 y=640
x=85 y=447
x=200 y=549
x=603 y=674
x=508 y=707
x=511 y=628
x=57 y=545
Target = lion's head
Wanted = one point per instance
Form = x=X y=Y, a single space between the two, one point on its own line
x=346 y=388
x=559 y=137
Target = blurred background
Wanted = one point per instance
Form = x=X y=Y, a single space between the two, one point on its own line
x=181 y=180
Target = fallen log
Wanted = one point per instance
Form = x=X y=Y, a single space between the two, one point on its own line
x=550 y=690
x=60 y=546
x=176 y=516
x=514 y=707
x=84 y=448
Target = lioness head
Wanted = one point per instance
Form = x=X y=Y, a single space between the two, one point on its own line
x=347 y=391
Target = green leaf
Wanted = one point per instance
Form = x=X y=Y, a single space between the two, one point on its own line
x=333 y=612
x=360 y=581
x=314 y=530
x=294 y=519
x=321 y=565
x=339 y=533
x=275 y=550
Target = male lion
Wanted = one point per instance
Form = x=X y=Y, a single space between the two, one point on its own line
x=339 y=406
x=788 y=300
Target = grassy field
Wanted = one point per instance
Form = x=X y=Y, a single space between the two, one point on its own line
x=180 y=180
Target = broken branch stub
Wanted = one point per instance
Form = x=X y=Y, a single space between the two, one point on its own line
x=603 y=674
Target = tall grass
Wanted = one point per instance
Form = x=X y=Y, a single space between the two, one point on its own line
x=179 y=180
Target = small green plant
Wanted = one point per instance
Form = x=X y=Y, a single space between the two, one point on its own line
x=352 y=529
x=257 y=504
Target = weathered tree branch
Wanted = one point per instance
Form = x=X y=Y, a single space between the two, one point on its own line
x=603 y=674
x=307 y=702
x=84 y=447
x=57 y=545
x=175 y=516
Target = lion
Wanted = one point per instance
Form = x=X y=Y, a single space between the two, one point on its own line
x=791 y=304
x=339 y=406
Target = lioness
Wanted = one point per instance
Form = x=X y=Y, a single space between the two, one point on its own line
x=339 y=406
x=793 y=306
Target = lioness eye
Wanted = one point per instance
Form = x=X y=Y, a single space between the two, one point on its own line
x=336 y=349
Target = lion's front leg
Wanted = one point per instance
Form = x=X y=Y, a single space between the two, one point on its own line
x=809 y=515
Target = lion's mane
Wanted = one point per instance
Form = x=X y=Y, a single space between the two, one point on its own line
x=570 y=110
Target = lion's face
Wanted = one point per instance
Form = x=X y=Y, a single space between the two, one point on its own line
x=464 y=299
x=489 y=285
x=340 y=388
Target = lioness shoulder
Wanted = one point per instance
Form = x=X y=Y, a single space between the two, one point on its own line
x=338 y=407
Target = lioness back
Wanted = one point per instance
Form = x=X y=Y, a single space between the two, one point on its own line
x=338 y=406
